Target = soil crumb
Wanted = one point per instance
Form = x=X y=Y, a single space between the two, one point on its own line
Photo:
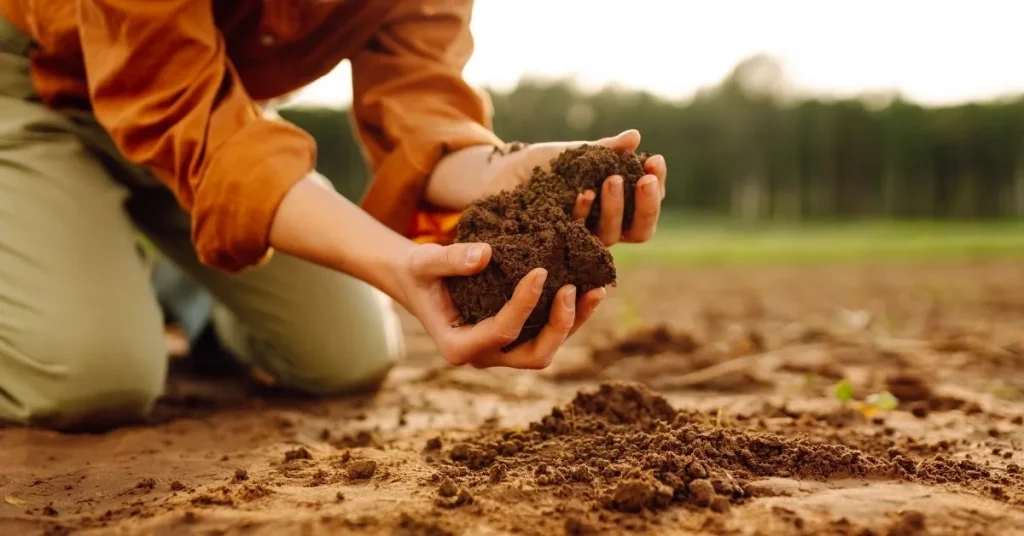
x=447 y=488
x=362 y=438
x=362 y=469
x=531 y=226
x=461 y=497
x=299 y=453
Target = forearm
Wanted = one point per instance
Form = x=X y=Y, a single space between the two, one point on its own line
x=317 y=224
x=459 y=178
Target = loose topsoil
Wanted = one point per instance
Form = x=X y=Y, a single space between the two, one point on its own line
x=623 y=445
x=531 y=226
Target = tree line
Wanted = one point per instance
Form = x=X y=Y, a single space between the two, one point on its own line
x=748 y=149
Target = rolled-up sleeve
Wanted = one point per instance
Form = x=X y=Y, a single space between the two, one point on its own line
x=161 y=84
x=412 y=106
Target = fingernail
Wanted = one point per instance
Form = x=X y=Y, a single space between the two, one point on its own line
x=474 y=253
x=570 y=298
x=538 y=282
x=601 y=293
x=616 y=189
x=650 y=187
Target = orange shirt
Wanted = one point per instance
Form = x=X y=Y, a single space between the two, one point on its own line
x=176 y=84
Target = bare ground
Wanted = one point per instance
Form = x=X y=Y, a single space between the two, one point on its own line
x=698 y=401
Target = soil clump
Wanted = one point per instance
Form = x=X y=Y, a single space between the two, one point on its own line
x=531 y=226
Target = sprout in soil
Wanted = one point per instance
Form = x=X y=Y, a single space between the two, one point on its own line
x=872 y=404
x=844 y=391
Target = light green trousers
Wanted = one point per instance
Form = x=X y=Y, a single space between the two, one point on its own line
x=81 y=334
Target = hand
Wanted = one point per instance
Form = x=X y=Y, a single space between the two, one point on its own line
x=420 y=279
x=517 y=167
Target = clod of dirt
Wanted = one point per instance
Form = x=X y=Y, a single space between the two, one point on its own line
x=634 y=495
x=362 y=438
x=362 y=469
x=587 y=167
x=146 y=484
x=499 y=472
x=531 y=227
x=177 y=486
x=433 y=444
x=474 y=458
x=646 y=341
x=50 y=511
x=299 y=453
x=702 y=492
x=462 y=497
x=910 y=523
x=570 y=254
x=251 y=492
x=448 y=488
x=319 y=478
x=241 y=475
x=908 y=387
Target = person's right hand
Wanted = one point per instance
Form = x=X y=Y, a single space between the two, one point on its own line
x=420 y=280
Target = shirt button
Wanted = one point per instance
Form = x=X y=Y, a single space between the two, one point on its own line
x=267 y=40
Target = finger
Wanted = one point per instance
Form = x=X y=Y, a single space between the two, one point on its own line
x=628 y=140
x=586 y=306
x=609 y=226
x=501 y=329
x=583 y=203
x=432 y=260
x=648 y=208
x=538 y=353
x=656 y=166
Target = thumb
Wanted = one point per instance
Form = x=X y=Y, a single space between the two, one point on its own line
x=457 y=259
x=628 y=140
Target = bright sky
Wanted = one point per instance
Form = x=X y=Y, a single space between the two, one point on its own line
x=934 y=52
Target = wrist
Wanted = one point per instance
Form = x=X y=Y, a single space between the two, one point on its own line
x=316 y=224
x=460 y=177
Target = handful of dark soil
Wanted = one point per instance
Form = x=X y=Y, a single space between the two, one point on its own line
x=531 y=226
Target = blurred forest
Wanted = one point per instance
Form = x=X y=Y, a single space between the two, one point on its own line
x=748 y=149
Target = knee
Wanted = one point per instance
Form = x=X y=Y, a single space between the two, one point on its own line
x=340 y=352
x=88 y=376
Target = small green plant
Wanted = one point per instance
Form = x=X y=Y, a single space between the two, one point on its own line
x=844 y=391
x=872 y=404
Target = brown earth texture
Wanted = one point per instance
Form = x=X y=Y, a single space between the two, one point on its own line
x=697 y=401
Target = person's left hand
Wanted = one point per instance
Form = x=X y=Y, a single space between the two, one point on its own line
x=475 y=172
x=516 y=167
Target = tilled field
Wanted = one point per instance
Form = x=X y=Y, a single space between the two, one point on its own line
x=881 y=399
